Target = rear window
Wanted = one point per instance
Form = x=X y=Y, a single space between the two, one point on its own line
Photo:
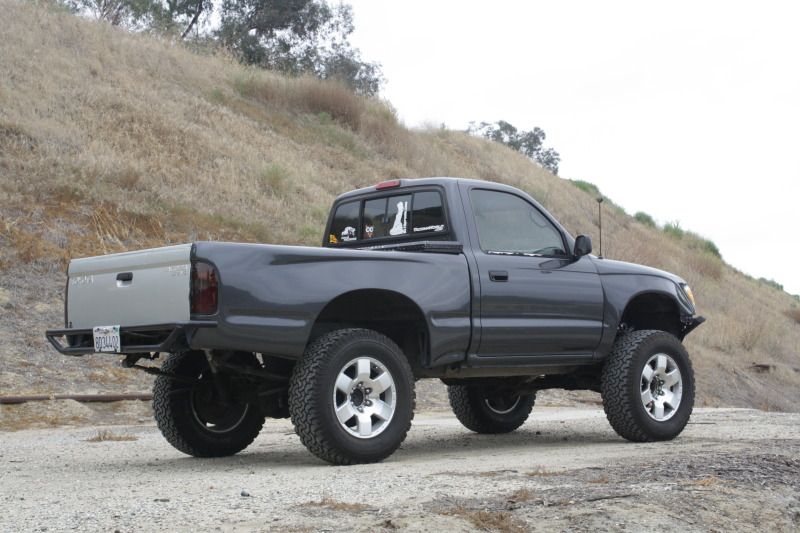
x=390 y=216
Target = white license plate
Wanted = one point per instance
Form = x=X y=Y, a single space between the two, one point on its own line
x=106 y=339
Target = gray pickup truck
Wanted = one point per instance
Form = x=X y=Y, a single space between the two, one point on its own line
x=470 y=282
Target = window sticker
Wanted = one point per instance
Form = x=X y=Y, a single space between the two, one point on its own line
x=349 y=234
x=332 y=239
x=436 y=227
x=400 y=220
x=369 y=231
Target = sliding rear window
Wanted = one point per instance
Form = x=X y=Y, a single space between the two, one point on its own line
x=399 y=215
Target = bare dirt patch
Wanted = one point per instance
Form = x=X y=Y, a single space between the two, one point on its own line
x=731 y=470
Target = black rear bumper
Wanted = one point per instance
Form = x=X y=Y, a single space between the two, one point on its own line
x=133 y=339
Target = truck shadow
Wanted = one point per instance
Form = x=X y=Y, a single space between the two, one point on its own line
x=421 y=446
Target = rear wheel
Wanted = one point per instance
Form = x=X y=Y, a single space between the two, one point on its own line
x=201 y=414
x=351 y=397
x=489 y=410
x=647 y=386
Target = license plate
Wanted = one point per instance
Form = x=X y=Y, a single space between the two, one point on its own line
x=106 y=339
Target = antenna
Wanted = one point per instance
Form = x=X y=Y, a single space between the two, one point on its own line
x=600 y=222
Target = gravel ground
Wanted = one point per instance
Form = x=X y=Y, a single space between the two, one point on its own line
x=565 y=469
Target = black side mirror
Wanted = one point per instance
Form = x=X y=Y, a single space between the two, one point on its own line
x=583 y=246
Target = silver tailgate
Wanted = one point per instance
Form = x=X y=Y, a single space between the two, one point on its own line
x=157 y=292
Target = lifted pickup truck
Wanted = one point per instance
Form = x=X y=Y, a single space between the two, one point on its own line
x=470 y=282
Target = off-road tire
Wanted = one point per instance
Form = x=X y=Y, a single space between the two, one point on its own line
x=175 y=417
x=470 y=407
x=621 y=380
x=311 y=401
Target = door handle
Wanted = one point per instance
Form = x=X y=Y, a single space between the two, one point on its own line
x=498 y=275
x=125 y=276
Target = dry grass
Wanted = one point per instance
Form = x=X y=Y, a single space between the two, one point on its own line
x=105 y=435
x=540 y=471
x=48 y=414
x=599 y=480
x=499 y=521
x=112 y=141
x=706 y=481
x=329 y=503
x=794 y=314
x=522 y=495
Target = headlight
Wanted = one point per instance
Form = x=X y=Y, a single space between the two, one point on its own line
x=689 y=294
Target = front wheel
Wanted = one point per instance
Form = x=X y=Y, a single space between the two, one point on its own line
x=487 y=410
x=647 y=384
x=192 y=413
x=351 y=397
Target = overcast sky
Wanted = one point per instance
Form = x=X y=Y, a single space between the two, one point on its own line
x=688 y=111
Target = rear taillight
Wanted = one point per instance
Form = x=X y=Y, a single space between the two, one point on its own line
x=205 y=288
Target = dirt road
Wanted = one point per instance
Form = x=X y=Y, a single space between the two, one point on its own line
x=731 y=469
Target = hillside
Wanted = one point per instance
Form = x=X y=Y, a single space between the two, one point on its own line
x=111 y=141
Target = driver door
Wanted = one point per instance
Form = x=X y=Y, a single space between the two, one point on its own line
x=535 y=298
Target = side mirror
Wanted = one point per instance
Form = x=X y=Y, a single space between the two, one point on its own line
x=583 y=246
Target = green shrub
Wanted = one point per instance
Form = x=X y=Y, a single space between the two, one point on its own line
x=645 y=219
x=585 y=186
x=709 y=246
x=324 y=118
x=674 y=229
x=216 y=96
x=696 y=242
x=274 y=178
x=772 y=283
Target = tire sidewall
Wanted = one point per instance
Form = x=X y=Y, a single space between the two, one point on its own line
x=671 y=346
x=368 y=449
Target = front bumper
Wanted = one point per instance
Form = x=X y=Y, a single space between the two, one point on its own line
x=150 y=338
x=690 y=324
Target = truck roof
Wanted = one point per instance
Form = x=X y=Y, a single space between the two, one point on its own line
x=416 y=182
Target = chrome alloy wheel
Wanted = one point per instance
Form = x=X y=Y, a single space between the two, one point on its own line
x=502 y=405
x=661 y=387
x=364 y=397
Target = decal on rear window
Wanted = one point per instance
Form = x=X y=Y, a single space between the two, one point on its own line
x=400 y=219
x=349 y=234
x=388 y=216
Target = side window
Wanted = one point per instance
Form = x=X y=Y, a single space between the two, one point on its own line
x=428 y=212
x=507 y=223
x=386 y=217
x=345 y=223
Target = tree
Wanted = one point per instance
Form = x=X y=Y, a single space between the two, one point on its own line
x=291 y=36
x=529 y=143
x=126 y=13
x=298 y=36
x=180 y=16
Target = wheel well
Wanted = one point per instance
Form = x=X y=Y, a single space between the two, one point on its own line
x=386 y=312
x=652 y=311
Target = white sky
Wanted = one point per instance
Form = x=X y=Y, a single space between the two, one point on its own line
x=688 y=111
